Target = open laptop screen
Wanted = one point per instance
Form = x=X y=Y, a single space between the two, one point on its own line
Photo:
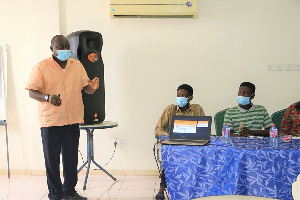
x=191 y=127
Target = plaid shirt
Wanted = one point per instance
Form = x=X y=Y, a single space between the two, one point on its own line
x=290 y=124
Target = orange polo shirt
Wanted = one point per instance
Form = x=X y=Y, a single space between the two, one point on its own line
x=49 y=78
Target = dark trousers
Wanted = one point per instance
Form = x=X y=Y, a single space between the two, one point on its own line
x=62 y=140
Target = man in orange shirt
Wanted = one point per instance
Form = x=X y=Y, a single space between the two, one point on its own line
x=56 y=83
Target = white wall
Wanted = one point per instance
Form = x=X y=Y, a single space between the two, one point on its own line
x=146 y=60
x=17 y=44
x=27 y=28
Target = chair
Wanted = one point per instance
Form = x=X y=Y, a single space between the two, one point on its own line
x=219 y=119
x=157 y=151
x=157 y=154
x=277 y=118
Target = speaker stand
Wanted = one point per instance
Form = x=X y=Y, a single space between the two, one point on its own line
x=90 y=147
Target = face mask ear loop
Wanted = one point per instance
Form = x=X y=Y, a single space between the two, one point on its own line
x=251 y=96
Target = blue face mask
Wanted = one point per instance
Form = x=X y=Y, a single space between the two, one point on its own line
x=243 y=100
x=182 y=101
x=63 y=55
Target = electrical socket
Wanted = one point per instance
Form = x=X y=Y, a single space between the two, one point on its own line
x=119 y=141
x=289 y=67
x=297 y=67
x=270 y=68
x=279 y=67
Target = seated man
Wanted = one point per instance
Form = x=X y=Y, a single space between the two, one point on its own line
x=248 y=119
x=290 y=124
x=184 y=97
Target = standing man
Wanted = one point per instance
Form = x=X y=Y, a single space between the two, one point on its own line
x=248 y=119
x=56 y=83
x=184 y=97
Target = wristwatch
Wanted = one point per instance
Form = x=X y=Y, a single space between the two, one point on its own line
x=46 y=97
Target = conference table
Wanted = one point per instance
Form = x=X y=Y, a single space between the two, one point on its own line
x=243 y=166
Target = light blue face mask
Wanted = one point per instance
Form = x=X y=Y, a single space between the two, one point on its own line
x=182 y=101
x=63 y=55
x=243 y=100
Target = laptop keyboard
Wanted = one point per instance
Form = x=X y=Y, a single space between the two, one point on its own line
x=190 y=141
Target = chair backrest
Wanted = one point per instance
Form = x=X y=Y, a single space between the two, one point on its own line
x=277 y=118
x=219 y=120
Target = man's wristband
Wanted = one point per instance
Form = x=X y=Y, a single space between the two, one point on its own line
x=46 y=97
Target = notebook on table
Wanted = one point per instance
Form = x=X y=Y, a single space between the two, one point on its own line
x=189 y=130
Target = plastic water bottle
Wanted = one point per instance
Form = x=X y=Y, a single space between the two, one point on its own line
x=226 y=133
x=273 y=136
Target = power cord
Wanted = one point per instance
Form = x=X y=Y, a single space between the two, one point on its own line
x=81 y=157
x=111 y=156
x=115 y=144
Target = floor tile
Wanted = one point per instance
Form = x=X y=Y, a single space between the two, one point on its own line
x=101 y=194
x=7 y=186
x=139 y=183
x=136 y=194
x=98 y=187
x=102 y=182
x=34 y=187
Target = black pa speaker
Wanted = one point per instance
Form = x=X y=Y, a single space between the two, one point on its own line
x=86 y=46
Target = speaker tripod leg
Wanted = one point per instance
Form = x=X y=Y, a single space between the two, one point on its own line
x=87 y=174
x=82 y=166
x=113 y=178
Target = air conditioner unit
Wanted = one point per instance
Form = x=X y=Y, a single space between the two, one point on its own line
x=153 y=9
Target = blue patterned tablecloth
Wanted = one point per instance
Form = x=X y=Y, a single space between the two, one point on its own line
x=243 y=167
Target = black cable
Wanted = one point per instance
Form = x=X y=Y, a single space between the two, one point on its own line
x=115 y=144
x=110 y=157
x=81 y=158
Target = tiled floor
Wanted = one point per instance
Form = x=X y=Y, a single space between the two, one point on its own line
x=98 y=187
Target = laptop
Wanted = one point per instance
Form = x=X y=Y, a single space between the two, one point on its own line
x=189 y=130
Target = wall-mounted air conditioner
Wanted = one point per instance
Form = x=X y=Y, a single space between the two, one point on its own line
x=153 y=9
